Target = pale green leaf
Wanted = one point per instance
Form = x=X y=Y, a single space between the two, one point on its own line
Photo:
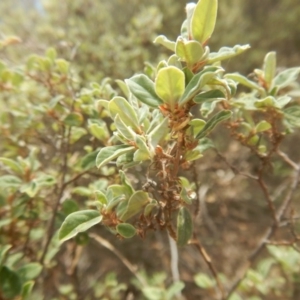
x=164 y=41
x=204 y=281
x=286 y=77
x=262 y=126
x=76 y=222
x=198 y=82
x=209 y=95
x=30 y=271
x=26 y=289
x=142 y=87
x=243 y=80
x=12 y=164
x=226 y=53
x=169 y=85
x=73 y=119
x=124 y=130
x=211 y=123
x=204 y=20
x=126 y=230
x=184 y=226
x=135 y=204
x=7 y=181
x=189 y=51
x=120 y=106
x=269 y=67
x=107 y=154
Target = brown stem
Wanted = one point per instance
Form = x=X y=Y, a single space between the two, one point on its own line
x=267 y=235
x=209 y=263
x=124 y=260
x=268 y=199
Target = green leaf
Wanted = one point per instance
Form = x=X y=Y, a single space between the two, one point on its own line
x=215 y=120
x=26 y=289
x=3 y=252
x=153 y=293
x=98 y=129
x=120 y=106
x=13 y=165
x=226 y=53
x=45 y=180
x=76 y=222
x=123 y=129
x=123 y=87
x=30 y=188
x=143 y=89
x=196 y=126
x=164 y=41
x=107 y=154
x=158 y=133
x=243 y=80
x=7 y=181
x=184 y=226
x=135 y=204
x=143 y=152
x=282 y=101
x=169 y=85
x=69 y=206
x=30 y=271
x=89 y=160
x=212 y=94
x=189 y=51
x=269 y=67
x=208 y=107
x=292 y=115
x=262 y=126
x=126 y=230
x=62 y=65
x=204 y=20
x=100 y=196
x=73 y=119
x=198 y=82
x=51 y=53
x=265 y=102
x=286 y=77
x=185 y=196
x=204 y=281
x=174 y=290
x=10 y=283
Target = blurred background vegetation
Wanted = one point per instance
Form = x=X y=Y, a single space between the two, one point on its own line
x=113 y=38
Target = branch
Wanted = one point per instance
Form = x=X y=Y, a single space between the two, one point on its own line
x=268 y=234
x=174 y=259
x=209 y=263
x=124 y=260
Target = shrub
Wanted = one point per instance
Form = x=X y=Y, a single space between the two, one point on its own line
x=153 y=140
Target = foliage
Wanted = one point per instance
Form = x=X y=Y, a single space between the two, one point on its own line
x=127 y=156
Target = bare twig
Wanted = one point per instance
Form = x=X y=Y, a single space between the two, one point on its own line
x=267 y=235
x=268 y=198
x=125 y=261
x=286 y=158
x=209 y=263
x=234 y=168
x=174 y=259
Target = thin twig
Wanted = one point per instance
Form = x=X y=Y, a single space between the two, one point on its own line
x=268 y=199
x=174 y=259
x=286 y=158
x=234 y=168
x=267 y=235
x=209 y=263
x=124 y=260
